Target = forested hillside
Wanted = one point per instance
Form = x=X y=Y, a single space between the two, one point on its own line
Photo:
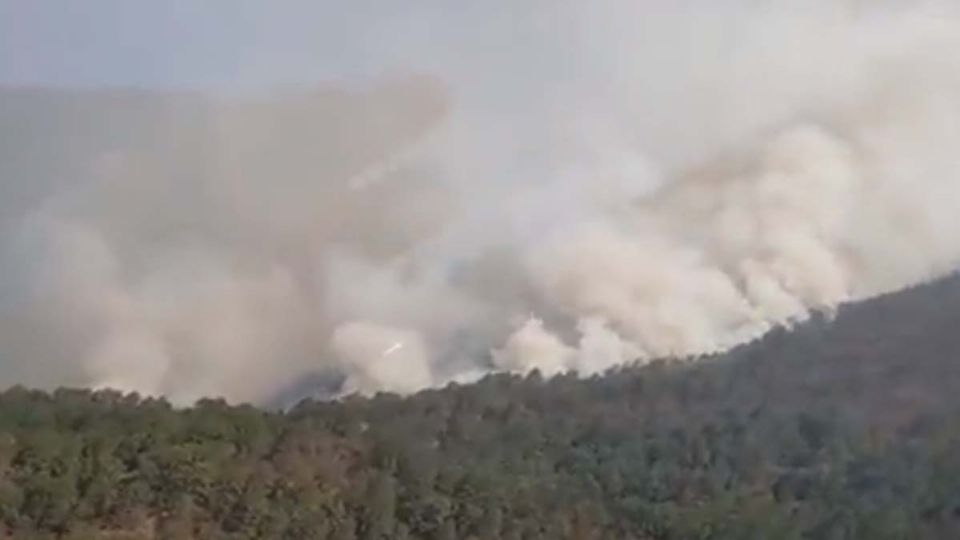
x=847 y=428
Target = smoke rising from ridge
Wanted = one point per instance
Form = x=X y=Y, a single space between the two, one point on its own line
x=696 y=178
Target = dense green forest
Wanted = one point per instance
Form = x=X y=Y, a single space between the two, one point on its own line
x=842 y=428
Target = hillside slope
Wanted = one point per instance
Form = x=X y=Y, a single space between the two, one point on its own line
x=847 y=428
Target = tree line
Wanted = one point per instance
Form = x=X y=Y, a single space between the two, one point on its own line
x=844 y=427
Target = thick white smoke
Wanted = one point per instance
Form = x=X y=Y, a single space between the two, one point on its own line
x=699 y=176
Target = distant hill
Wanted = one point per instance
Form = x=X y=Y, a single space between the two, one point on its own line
x=843 y=428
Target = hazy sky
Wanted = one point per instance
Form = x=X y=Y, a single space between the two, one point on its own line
x=241 y=44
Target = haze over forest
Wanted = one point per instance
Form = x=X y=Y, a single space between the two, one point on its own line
x=428 y=270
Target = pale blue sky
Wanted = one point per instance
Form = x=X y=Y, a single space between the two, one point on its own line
x=178 y=42
x=239 y=44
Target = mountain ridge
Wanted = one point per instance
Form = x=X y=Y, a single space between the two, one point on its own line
x=839 y=428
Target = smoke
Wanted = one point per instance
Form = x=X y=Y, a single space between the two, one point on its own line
x=683 y=182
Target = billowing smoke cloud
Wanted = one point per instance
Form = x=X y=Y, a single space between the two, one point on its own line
x=693 y=179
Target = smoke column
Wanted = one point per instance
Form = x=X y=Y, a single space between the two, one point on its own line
x=681 y=182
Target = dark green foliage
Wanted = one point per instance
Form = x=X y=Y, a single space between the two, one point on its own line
x=841 y=429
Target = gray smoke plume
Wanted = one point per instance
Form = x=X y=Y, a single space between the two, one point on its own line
x=684 y=181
